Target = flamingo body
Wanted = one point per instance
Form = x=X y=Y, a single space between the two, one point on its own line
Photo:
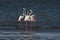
x=33 y=18
x=20 y=18
x=27 y=18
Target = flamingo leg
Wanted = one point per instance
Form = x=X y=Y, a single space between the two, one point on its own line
x=26 y=29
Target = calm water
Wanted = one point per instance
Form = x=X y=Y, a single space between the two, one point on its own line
x=21 y=35
x=47 y=14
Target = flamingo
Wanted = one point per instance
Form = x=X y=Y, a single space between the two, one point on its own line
x=30 y=17
x=27 y=17
x=22 y=16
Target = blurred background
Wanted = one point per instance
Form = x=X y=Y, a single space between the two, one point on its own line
x=47 y=13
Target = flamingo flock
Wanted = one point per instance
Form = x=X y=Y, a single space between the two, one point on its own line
x=27 y=16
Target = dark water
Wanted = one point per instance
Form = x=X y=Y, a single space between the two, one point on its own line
x=47 y=15
x=47 y=12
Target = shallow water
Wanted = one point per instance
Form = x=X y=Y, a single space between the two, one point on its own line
x=14 y=35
